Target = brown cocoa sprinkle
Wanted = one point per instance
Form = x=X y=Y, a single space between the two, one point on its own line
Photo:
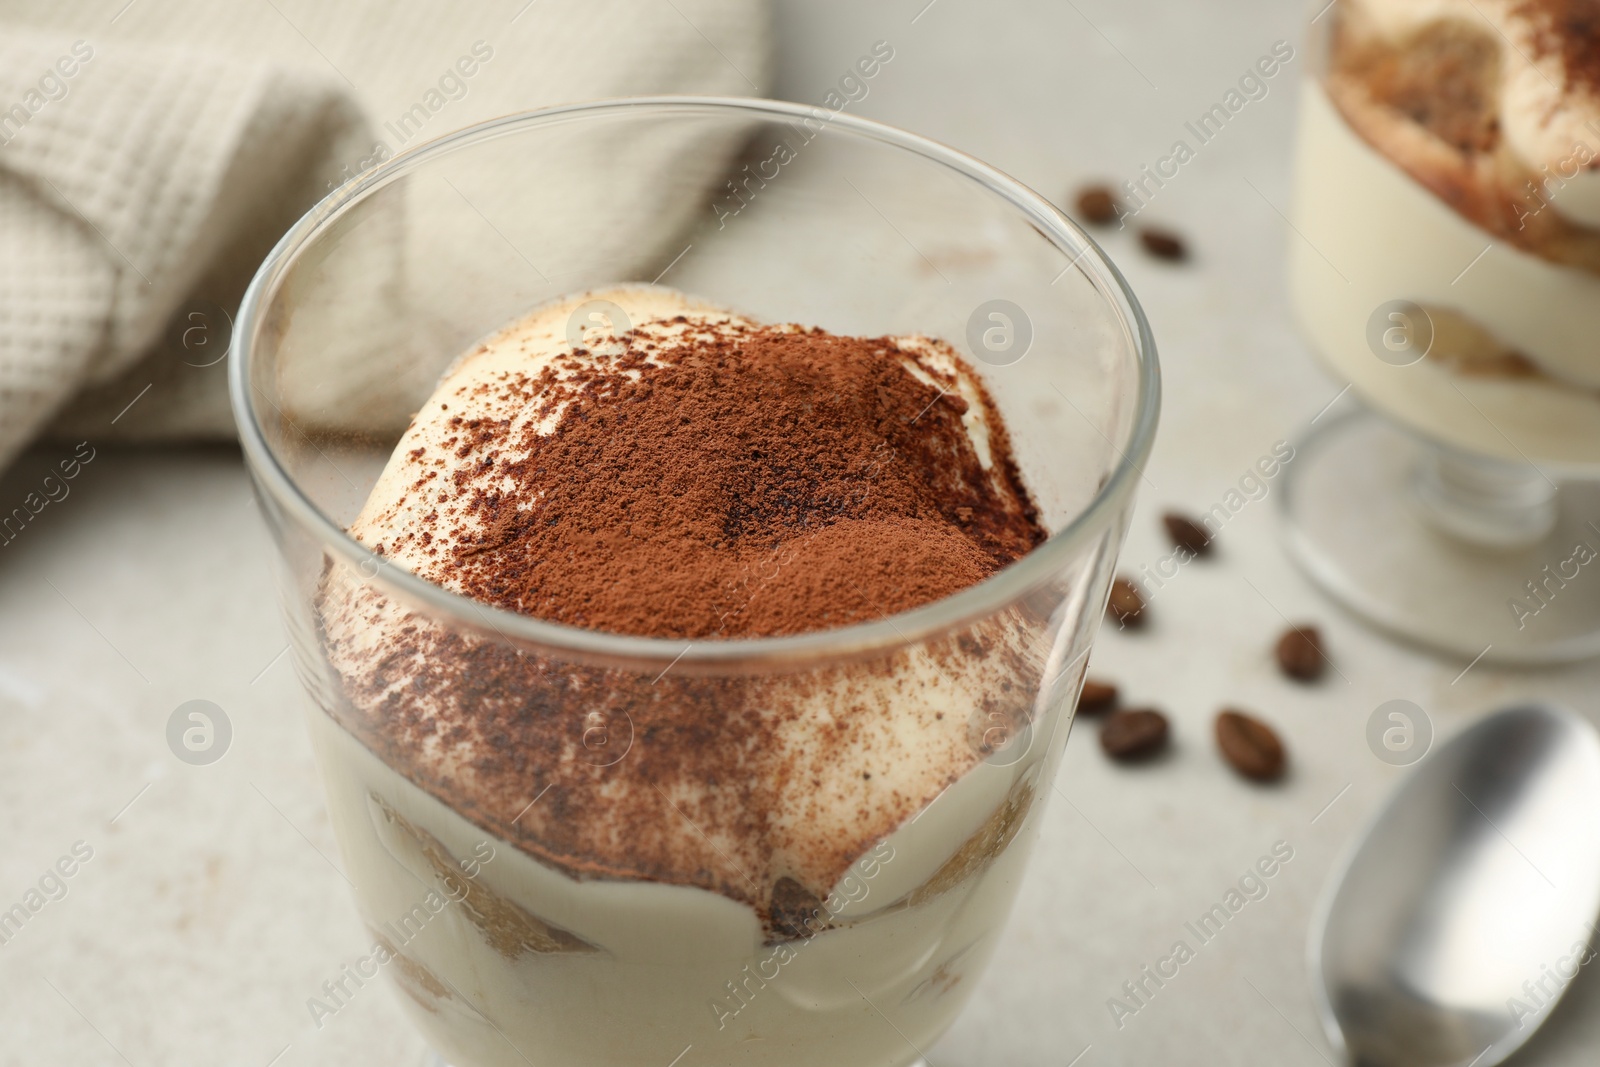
x=1097 y=697
x=761 y=482
x=1126 y=604
x=1569 y=29
x=1098 y=205
x=1187 y=534
x=1299 y=653
x=1250 y=746
x=1134 y=734
x=1163 y=244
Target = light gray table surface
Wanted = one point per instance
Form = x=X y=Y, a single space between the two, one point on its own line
x=212 y=906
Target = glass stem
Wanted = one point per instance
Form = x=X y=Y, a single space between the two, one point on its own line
x=1485 y=502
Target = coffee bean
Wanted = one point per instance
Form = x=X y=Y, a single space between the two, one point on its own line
x=1097 y=204
x=1096 y=697
x=1300 y=653
x=1126 y=605
x=1250 y=746
x=1186 y=533
x=1163 y=244
x=1134 y=734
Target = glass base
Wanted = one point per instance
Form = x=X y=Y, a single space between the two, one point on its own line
x=1354 y=521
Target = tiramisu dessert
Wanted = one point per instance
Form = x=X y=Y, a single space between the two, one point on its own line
x=569 y=860
x=1450 y=159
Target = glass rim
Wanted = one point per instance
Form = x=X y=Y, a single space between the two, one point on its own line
x=1003 y=587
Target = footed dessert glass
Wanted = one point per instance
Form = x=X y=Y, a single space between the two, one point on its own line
x=788 y=214
x=1445 y=261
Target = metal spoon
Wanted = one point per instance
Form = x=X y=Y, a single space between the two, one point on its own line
x=1462 y=914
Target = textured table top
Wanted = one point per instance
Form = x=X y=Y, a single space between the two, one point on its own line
x=212 y=907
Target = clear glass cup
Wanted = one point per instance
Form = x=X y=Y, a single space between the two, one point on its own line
x=786 y=213
x=1456 y=504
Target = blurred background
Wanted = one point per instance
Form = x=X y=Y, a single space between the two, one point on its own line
x=139 y=195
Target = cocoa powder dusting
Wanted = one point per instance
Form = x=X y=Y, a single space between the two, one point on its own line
x=720 y=481
x=1569 y=29
x=760 y=482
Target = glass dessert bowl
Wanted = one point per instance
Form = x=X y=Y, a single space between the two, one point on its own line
x=732 y=810
x=1446 y=262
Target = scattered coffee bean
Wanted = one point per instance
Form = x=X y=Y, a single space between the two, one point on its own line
x=1164 y=244
x=1126 y=605
x=1097 y=204
x=1300 y=653
x=1250 y=746
x=1096 y=697
x=1134 y=734
x=1186 y=533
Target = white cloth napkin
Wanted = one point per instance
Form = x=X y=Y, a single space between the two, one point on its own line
x=152 y=152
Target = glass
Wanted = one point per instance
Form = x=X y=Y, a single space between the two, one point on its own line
x=502 y=958
x=1457 y=505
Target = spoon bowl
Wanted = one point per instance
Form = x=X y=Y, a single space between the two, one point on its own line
x=1466 y=908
